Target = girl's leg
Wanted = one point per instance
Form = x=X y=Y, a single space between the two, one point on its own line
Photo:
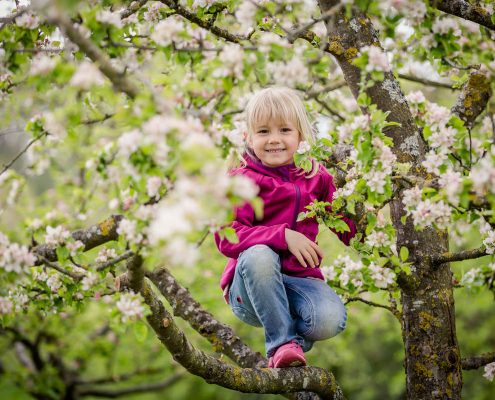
x=319 y=312
x=257 y=296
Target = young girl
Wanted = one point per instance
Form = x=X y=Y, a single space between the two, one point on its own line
x=272 y=278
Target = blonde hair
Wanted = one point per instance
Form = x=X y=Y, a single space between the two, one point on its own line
x=280 y=104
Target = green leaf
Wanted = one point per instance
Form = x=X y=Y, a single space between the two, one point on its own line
x=62 y=253
x=140 y=331
x=404 y=253
x=403 y=219
x=257 y=204
x=230 y=234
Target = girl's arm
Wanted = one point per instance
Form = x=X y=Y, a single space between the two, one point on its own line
x=249 y=235
x=329 y=190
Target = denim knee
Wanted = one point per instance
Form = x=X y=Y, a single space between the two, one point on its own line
x=328 y=323
x=259 y=261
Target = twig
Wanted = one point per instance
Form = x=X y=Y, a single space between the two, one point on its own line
x=115 y=260
x=55 y=266
x=427 y=82
x=7 y=166
x=397 y=314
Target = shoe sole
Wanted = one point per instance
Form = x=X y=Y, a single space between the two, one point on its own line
x=293 y=363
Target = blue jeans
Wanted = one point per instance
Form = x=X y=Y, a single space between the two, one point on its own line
x=289 y=308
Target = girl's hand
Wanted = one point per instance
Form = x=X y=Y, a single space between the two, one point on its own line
x=305 y=250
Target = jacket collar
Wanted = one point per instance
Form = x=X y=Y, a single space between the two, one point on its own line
x=286 y=172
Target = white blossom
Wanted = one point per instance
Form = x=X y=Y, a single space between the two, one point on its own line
x=383 y=277
x=57 y=235
x=89 y=281
x=289 y=73
x=451 y=182
x=377 y=59
x=54 y=283
x=167 y=31
x=74 y=246
x=434 y=161
x=244 y=187
x=474 y=277
x=245 y=14
x=87 y=75
x=128 y=229
x=130 y=306
x=428 y=212
x=329 y=273
x=110 y=18
x=153 y=185
x=129 y=142
x=444 y=25
x=42 y=65
x=489 y=371
x=303 y=147
x=6 y=306
x=378 y=239
x=28 y=21
x=105 y=254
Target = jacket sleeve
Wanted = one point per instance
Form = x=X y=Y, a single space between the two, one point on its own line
x=250 y=235
x=329 y=190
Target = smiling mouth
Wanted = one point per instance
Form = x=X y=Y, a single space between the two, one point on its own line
x=275 y=150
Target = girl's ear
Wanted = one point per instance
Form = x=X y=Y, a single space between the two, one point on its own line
x=247 y=138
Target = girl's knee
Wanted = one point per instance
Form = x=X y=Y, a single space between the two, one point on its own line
x=329 y=323
x=259 y=260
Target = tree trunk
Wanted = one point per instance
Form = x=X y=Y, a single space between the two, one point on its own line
x=432 y=357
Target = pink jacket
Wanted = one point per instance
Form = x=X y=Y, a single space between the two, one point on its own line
x=285 y=194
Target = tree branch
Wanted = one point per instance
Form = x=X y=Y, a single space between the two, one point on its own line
x=212 y=370
x=478 y=361
x=7 y=166
x=397 y=314
x=460 y=256
x=208 y=25
x=221 y=336
x=55 y=266
x=464 y=9
x=92 y=237
x=118 y=78
x=144 y=388
x=134 y=7
x=426 y=82
x=473 y=98
x=113 y=261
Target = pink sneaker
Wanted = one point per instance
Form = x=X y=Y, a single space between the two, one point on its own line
x=288 y=355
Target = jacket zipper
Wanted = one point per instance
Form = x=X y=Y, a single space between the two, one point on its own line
x=296 y=210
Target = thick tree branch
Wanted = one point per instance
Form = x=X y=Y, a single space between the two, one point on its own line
x=92 y=237
x=120 y=81
x=478 y=361
x=473 y=98
x=212 y=370
x=460 y=256
x=143 y=388
x=464 y=9
x=221 y=336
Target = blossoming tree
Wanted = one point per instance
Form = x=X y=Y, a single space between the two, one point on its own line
x=132 y=108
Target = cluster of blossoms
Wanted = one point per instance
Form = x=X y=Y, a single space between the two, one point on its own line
x=130 y=306
x=245 y=15
x=27 y=20
x=86 y=76
x=232 y=58
x=488 y=235
x=377 y=59
x=167 y=31
x=289 y=73
x=354 y=275
x=14 y=257
x=473 y=277
x=489 y=371
x=57 y=235
x=379 y=238
x=482 y=175
x=109 y=18
x=382 y=167
x=413 y=9
x=105 y=254
x=426 y=212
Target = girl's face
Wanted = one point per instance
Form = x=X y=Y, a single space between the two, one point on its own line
x=275 y=142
